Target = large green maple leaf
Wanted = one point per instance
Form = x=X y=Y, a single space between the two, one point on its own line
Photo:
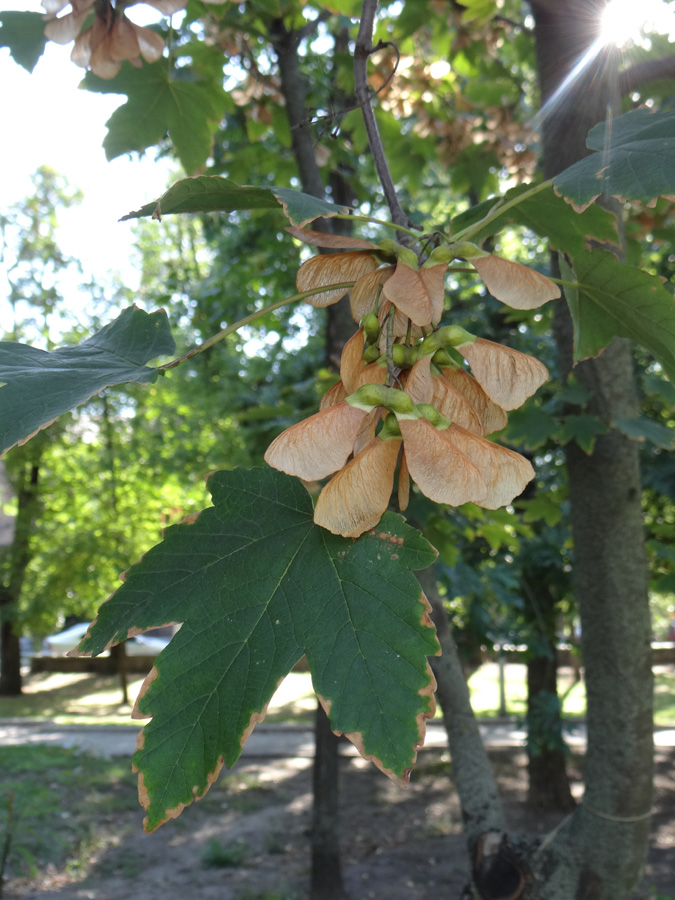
x=256 y=584
x=157 y=104
x=212 y=193
x=37 y=386
x=635 y=160
x=608 y=299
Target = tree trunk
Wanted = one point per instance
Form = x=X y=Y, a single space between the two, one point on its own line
x=548 y=786
x=610 y=568
x=19 y=556
x=326 y=878
x=10 y=650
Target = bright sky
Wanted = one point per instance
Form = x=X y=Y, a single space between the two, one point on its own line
x=47 y=120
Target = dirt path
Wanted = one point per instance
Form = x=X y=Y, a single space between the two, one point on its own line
x=248 y=838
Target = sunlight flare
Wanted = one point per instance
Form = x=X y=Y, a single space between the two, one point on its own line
x=623 y=20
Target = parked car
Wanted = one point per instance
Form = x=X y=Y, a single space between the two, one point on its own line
x=65 y=641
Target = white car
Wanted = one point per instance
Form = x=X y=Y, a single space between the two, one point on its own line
x=65 y=641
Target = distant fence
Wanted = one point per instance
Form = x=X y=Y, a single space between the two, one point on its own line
x=662 y=654
x=98 y=665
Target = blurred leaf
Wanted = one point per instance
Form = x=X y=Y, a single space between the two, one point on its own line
x=157 y=104
x=211 y=193
x=478 y=10
x=636 y=160
x=530 y=427
x=256 y=585
x=37 y=386
x=607 y=299
x=540 y=508
x=643 y=429
x=23 y=33
x=583 y=429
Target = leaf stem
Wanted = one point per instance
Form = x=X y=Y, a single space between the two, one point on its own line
x=195 y=351
x=499 y=208
x=352 y=218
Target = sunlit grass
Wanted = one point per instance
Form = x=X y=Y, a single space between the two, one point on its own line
x=484 y=690
x=85 y=699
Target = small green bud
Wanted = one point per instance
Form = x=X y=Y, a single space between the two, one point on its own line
x=438 y=256
x=403 y=355
x=467 y=250
x=408 y=256
x=398 y=354
x=371 y=327
x=370 y=396
x=443 y=359
x=371 y=353
x=390 y=246
x=454 y=336
x=390 y=430
x=431 y=414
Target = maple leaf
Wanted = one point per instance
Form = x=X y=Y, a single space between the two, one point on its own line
x=256 y=585
x=37 y=386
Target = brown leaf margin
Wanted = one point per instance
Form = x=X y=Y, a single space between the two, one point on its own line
x=429 y=691
x=143 y=794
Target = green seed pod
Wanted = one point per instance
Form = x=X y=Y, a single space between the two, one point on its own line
x=407 y=256
x=370 y=396
x=439 y=256
x=431 y=414
x=390 y=430
x=454 y=336
x=390 y=246
x=371 y=353
x=442 y=359
x=371 y=327
x=467 y=250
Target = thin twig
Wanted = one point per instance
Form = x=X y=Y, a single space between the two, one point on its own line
x=362 y=51
x=311 y=27
x=205 y=345
x=338 y=114
x=500 y=207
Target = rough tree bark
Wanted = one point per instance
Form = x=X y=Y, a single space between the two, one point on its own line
x=610 y=568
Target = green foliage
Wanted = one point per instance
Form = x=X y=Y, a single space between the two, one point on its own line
x=582 y=429
x=545 y=214
x=37 y=386
x=52 y=784
x=634 y=160
x=260 y=585
x=216 y=856
x=211 y=193
x=607 y=299
x=158 y=104
x=23 y=33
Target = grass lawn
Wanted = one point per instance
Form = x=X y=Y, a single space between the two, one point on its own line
x=55 y=795
x=82 y=699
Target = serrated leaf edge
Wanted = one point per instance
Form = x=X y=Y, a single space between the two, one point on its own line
x=428 y=691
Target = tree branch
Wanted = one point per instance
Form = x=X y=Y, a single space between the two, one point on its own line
x=644 y=72
x=364 y=48
x=311 y=27
x=474 y=778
